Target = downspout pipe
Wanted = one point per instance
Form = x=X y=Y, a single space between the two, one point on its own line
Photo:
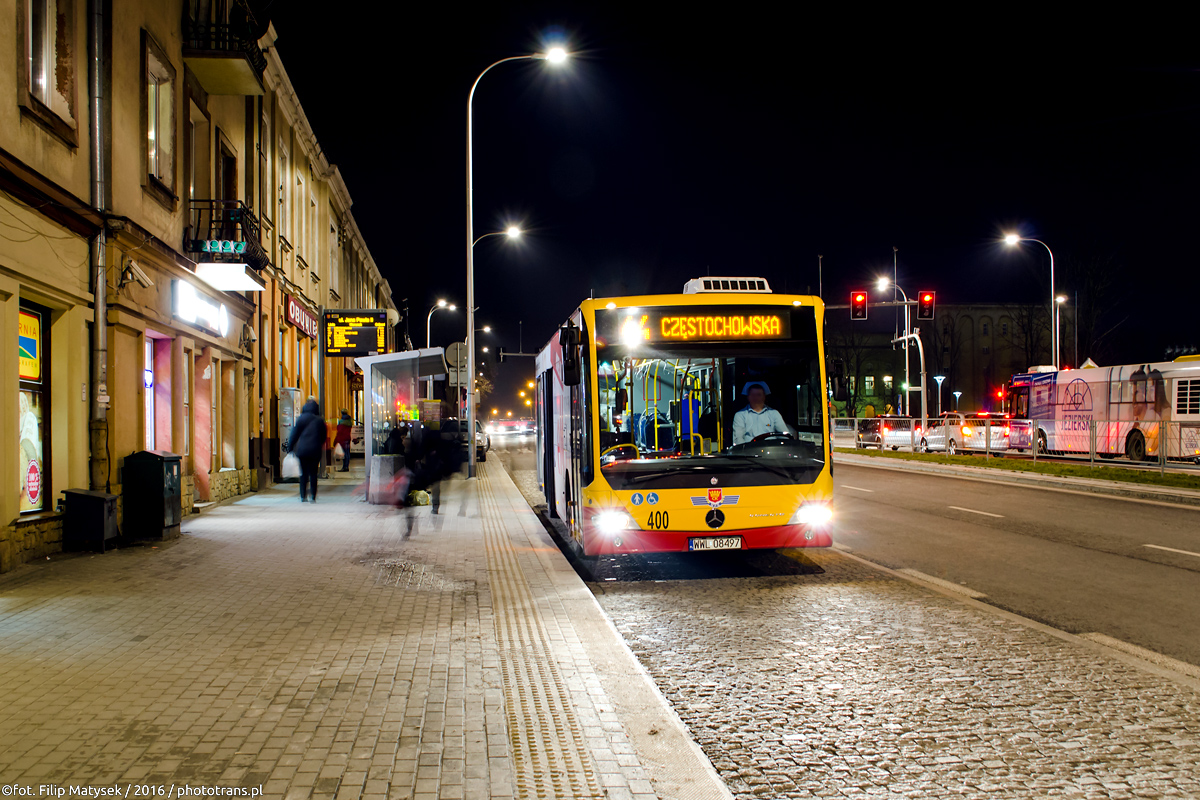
x=99 y=395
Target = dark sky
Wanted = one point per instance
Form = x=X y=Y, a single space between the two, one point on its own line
x=749 y=142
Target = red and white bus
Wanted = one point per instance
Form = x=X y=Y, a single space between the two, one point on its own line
x=1140 y=411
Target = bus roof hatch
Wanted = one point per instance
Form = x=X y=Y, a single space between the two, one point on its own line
x=725 y=284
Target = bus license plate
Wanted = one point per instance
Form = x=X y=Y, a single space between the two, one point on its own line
x=716 y=543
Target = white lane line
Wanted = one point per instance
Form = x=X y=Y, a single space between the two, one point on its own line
x=1172 y=550
x=973 y=511
x=857 y=488
x=945 y=584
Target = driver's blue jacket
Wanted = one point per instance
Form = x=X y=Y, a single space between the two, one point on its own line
x=749 y=423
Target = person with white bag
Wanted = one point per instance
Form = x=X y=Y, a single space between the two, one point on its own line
x=341 y=441
x=307 y=442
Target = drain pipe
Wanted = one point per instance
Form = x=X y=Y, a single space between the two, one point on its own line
x=99 y=468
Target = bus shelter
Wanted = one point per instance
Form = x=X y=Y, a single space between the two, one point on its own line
x=392 y=401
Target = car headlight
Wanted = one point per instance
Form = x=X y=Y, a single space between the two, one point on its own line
x=614 y=521
x=812 y=514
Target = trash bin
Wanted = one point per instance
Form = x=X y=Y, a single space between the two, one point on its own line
x=89 y=520
x=152 y=494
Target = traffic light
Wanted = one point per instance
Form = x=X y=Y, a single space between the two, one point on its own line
x=500 y=354
x=925 y=301
x=858 y=305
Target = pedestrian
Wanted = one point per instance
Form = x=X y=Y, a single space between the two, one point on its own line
x=307 y=442
x=342 y=439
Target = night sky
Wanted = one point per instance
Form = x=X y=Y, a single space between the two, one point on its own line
x=674 y=146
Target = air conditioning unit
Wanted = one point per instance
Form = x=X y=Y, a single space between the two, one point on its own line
x=726 y=284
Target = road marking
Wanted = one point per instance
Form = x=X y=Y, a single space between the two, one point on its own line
x=1172 y=550
x=841 y=547
x=945 y=584
x=857 y=488
x=973 y=511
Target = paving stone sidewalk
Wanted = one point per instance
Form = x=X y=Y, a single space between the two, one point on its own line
x=313 y=651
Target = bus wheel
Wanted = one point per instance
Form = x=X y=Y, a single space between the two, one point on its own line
x=951 y=447
x=1135 y=447
x=1041 y=443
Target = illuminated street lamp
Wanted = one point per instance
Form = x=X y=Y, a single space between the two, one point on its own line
x=1012 y=240
x=428 y=339
x=555 y=55
x=512 y=232
x=1058 y=301
x=939 y=379
x=884 y=283
x=956 y=396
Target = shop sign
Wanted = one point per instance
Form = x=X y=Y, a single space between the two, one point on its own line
x=196 y=309
x=301 y=317
x=29 y=340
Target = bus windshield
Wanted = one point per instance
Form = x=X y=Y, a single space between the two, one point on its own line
x=749 y=411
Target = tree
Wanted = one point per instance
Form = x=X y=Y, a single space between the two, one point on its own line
x=1092 y=276
x=1030 y=333
x=853 y=347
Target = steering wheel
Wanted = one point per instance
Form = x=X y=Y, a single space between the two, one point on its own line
x=762 y=437
x=636 y=453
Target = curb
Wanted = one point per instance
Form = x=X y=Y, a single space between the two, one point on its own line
x=1080 y=485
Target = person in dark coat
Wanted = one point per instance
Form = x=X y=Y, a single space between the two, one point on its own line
x=343 y=438
x=308 y=442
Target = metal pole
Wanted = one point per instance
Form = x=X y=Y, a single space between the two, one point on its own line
x=471 y=272
x=99 y=400
x=820 y=278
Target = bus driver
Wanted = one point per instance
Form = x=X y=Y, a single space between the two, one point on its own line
x=756 y=418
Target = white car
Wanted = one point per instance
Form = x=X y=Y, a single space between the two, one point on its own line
x=956 y=432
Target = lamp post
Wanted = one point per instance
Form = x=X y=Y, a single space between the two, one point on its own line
x=1058 y=302
x=512 y=232
x=1013 y=239
x=956 y=396
x=939 y=379
x=883 y=284
x=555 y=55
x=429 y=339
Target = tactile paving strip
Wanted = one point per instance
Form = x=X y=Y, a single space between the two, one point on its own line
x=550 y=756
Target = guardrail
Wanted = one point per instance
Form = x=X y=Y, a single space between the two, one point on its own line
x=1144 y=442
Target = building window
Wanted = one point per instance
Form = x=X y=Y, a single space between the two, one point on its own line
x=887 y=385
x=34 y=422
x=985 y=329
x=159 y=116
x=281 y=179
x=869 y=384
x=986 y=350
x=853 y=383
x=48 y=95
x=1004 y=329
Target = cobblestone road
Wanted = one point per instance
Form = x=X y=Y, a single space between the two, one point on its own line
x=850 y=682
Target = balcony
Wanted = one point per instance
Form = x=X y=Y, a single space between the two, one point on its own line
x=224 y=221
x=223 y=51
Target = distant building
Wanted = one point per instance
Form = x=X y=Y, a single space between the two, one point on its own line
x=978 y=347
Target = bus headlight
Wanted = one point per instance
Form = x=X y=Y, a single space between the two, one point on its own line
x=614 y=521
x=812 y=514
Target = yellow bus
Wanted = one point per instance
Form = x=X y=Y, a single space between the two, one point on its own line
x=696 y=421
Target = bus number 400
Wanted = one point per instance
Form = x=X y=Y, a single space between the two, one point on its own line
x=657 y=520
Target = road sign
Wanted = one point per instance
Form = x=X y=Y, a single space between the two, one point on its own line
x=457 y=376
x=456 y=355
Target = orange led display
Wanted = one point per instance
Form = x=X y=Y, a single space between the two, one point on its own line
x=710 y=327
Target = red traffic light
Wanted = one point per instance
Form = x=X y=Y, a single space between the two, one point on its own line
x=925 y=304
x=858 y=305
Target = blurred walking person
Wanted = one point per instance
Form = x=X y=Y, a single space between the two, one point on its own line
x=342 y=439
x=308 y=442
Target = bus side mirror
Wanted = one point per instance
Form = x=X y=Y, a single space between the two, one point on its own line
x=568 y=340
x=837 y=378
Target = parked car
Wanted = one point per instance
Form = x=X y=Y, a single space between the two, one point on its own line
x=870 y=434
x=888 y=430
x=483 y=442
x=956 y=432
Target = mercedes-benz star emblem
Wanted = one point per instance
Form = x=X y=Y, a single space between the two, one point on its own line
x=715 y=518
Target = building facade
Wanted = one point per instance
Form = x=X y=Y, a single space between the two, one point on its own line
x=163 y=289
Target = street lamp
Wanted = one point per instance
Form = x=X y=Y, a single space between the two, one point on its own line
x=512 y=232
x=428 y=339
x=939 y=379
x=1058 y=301
x=556 y=55
x=884 y=283
x=956 y=396
x=1012 y=240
